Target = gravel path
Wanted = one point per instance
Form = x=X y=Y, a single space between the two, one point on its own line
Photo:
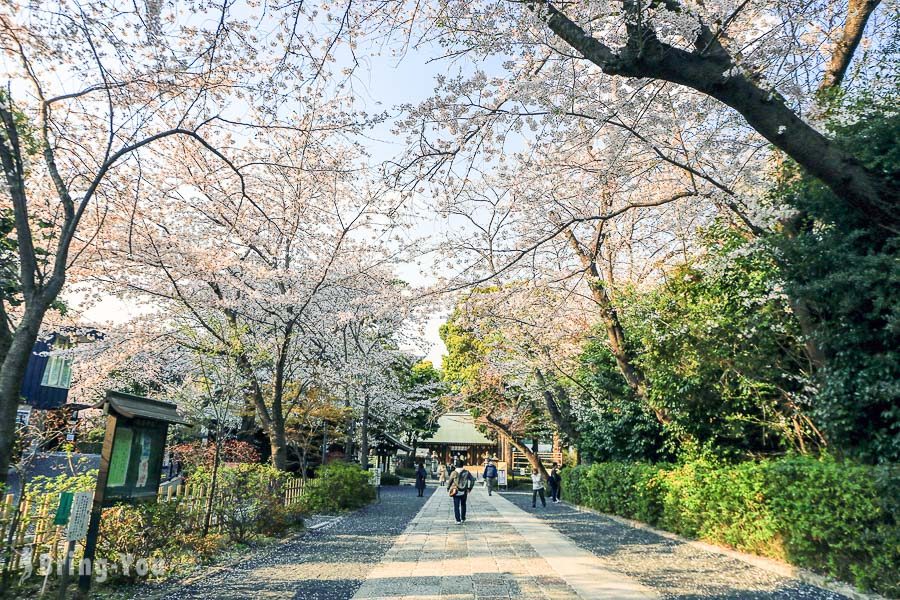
x=674 y=569
x=327 y=564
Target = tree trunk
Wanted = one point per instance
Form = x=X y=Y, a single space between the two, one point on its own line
x=563 y=423
x=12 y=374
x=212 y=485
x=303 y=462
x=709 y=69
x=364 y=435
x=248 y=416
x=278 y=444
x=351 y=430
x=633 y=376
x=858 y=13
x=532 y=456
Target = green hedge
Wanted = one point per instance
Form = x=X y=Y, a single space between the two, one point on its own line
x=838 y=518
x=337 y=486
x=408 y=472
x=389 y=479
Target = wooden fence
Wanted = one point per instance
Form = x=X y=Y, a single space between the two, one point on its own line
x=26 y=538
x=521 y=466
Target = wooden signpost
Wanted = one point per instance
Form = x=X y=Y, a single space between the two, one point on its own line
x=130 y=464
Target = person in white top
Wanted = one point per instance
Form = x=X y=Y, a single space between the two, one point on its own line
x=537 y=487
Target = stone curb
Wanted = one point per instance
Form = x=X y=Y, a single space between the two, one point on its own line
x=767 y=564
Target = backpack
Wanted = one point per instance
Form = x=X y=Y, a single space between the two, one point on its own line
x=464 y=483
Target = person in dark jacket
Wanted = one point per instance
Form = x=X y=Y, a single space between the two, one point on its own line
x=555 y=481
x=421 y=477
x=490 y=476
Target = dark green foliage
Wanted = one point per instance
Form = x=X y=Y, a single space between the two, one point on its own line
x=408 y=472
x=719 y=347
x=839 y=518
x=846 y=268
x=337 y=486
x=720 y=351
x=722 y=348
x=612 y=423
x=252 y=499
x=389 y=479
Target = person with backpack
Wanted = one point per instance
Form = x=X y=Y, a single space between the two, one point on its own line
x=461 y=483
x=555 y=481
x=537 y=487
x=490 y=476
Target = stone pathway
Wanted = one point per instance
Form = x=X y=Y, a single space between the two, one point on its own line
x=508 y=550
x=408 y=548
x=500 y=552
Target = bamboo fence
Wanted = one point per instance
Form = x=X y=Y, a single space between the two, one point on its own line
x=32 y=534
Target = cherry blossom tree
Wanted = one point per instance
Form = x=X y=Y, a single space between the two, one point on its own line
x=276 y=269
x=92 y=90
x=749 y=70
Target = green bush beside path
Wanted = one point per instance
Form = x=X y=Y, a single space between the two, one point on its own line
x=838 y=518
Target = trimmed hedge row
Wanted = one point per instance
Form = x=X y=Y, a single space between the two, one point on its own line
x=835 y=517
x=337 y=486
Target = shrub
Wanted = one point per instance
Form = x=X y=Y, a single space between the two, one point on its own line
x=252 y=500
x=194 y=455
x=389 y=479
x=277 y=520
x=153 y=530
x=337 y=486
x=835 y=517
x=148 y=530
x=627 y=489
x=408 y=472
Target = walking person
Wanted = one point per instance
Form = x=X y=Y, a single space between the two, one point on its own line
x=490 y=476
x=555 y=481
x=442 y=476
x=537 y=488
x=460 y=484
x=421 y=477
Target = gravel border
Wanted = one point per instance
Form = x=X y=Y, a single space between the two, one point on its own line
x=667 y=544
x=760 y=562
x=327 y=560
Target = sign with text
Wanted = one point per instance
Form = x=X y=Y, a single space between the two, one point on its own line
x=81 y=516
x=375 y=476
x=135 y=463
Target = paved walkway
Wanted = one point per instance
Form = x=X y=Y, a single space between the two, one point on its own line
x=500 y=552
x=508 y=550
x=411 y=548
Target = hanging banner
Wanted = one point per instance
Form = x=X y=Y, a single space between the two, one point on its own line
x=144 y=462
x=64 y=509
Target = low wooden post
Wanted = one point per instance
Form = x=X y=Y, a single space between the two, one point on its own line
x=90 y=544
